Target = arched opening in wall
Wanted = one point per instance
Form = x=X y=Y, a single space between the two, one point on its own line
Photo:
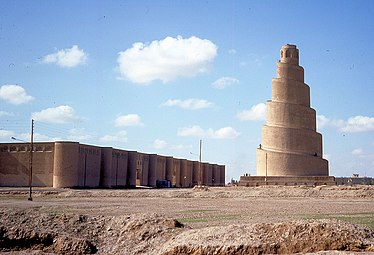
x=276 y=183
x=285 y=184
x=287 y=54
x=281 y=53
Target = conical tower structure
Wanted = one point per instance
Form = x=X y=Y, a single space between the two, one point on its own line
x=290 y=146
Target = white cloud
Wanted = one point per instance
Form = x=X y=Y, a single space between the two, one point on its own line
x=4 y=113
x=6 y=134
x=226 y=132
x=14 y=94
x=59 y=114
x=159 y=144
x=357 y=152
x=67 y=57
x=120 y=136
x=25 y=137
x=191 y=104
x=182 y=147
x=191 y=131
x=257 y=112
x=352 y=125
x=79 y=134
x=232 y=51
x=166 y=59
x=358 y=124
x=37 y=137
x=224 y=82
x=322 y=121
x=128 y=120
x=222 y=133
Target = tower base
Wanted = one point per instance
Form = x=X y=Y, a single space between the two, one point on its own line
x=275 y=163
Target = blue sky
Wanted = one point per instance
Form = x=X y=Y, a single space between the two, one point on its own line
x=157 y=76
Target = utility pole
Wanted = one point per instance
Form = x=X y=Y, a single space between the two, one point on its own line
x=30 y=158
x=266 y=169
x=200 y=170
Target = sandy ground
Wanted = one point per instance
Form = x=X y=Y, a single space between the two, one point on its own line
x=202 y=212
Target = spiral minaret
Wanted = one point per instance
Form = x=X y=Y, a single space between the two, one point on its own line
x=290 y=146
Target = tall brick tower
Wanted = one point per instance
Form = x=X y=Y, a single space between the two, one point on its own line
x=290 y=146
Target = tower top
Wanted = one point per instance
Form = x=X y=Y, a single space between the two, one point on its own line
x=289 y=54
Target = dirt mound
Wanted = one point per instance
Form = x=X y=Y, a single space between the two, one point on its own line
x=359 y=191
x=141 y=235
x=280 y=238
x=32 y=231
x=22 y=230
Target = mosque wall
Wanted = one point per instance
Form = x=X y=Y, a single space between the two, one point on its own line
x=73 y=165
x=15 y=161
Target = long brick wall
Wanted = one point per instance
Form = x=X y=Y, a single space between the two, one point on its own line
x=71 y=164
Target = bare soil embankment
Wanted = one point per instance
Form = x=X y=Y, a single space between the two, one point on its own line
x=261 y=220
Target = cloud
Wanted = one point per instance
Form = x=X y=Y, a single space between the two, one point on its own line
x=14 y=94
x=232 y=51
x=166 y=60
x=222 y=133
x=226 y=132
x=190 y=104
x=4 y=113
x=257 y=112
x=6 y=134
x=67 y=57
x=37 y=137
x=360 y=153
x=59 y=114
x=79 y=134
x=120 y=136
x=128 y=120
x=357 y=152
x=358 y=124
x=322 y=121
x=352 y=125
x=224 y=82
x=182 y=147
x=159 y=144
